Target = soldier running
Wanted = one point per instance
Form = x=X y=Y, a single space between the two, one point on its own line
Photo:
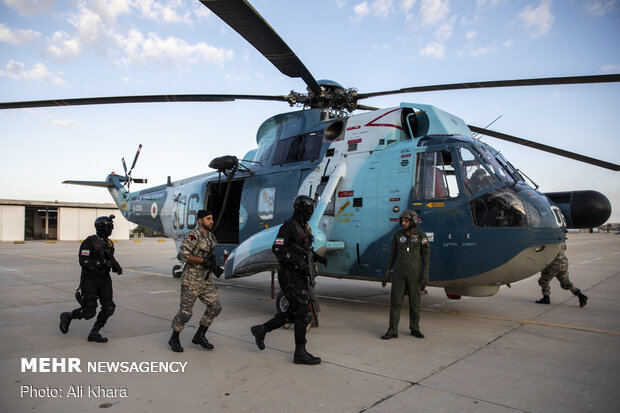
x=559 y=269
x=197 y=252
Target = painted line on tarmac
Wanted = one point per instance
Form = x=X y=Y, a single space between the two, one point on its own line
x=35 y=256
x=539 y=323
x=71 y=262
x=162 y=292
x=592 y=260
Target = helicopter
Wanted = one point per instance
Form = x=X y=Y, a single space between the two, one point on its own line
x=487 y=222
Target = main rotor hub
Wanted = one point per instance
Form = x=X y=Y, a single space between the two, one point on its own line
x=333 y=96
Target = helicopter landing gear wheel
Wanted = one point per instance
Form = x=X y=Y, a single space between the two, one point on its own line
x=177 y=271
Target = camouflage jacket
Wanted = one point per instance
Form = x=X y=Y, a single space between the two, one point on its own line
x=199 y=244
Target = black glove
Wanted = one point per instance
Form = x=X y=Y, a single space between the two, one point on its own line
x=321 y=259
x=116 y=267
x=217 y=271
x=206 y=263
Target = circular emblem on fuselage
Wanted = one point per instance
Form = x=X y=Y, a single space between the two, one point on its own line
x=154 y=210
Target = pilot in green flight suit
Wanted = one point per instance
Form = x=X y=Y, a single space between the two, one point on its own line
x=409 y=249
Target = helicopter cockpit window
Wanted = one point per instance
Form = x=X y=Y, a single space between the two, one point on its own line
x=490 y=159
x=298 y=148
x=475 y=177
x=500 y=207
x=435 y=176
x=511 y=169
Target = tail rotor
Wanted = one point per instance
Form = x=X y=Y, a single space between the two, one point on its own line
x=128 y=178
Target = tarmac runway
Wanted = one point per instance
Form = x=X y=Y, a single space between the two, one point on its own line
x=495 y=354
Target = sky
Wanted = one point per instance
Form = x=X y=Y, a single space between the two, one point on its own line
x=54 y=49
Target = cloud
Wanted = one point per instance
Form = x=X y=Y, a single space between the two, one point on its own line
x=109 y=10
x=538 y=21
x=382 y=8
x=64 y=123
x=434 y=11
x=600 y=7
x=17 y=37
x=30 y=7
x=138 y=48
x=471 y=34
x=480 y=51
x=378 y=8
x=610 y=69
x=444 y=32
x=166 y=13
x=17 y=70
x=407 y=5
x=61 y=46
x=435 y=50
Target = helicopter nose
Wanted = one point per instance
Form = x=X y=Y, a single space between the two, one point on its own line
x=582 y=209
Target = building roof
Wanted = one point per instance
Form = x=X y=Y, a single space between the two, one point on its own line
x=57 y=204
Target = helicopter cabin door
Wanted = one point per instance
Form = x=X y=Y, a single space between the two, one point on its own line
x=442 y=207
x=223 y=199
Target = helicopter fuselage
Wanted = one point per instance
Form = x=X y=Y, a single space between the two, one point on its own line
x=486 y=225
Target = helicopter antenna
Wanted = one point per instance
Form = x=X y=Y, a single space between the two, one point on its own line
x=486 y=127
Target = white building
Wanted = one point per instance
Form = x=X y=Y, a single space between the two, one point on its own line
x=62 y=221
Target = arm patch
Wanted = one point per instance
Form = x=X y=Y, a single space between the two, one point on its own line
x=85 y=253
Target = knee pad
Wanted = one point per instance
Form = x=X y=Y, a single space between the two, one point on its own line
x=108 y=308
x=184 y=317
x=89 y=312
x=217 y=309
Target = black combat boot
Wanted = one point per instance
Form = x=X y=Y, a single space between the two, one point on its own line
x=200 y=339
x=544 y=300
x=389 y=335
x=95 y=336
x=417 y=333
x=259 y=332
x=65 y=320
x=583 y=299
x=174 y=342
x=303 y=357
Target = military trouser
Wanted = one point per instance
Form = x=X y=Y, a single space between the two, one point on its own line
x=402 y=282
x=95 y=287
x=207 y=293
x=559 y=269
x=298 y=312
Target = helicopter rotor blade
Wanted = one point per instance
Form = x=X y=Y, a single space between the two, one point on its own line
x=137 y=99
x=570 y=80
x=124 y=165
x=135 y=159
x=545 y=148
x=246 y=21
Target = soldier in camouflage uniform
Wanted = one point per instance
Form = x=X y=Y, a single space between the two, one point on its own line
x=197 y=252
x=559 y=269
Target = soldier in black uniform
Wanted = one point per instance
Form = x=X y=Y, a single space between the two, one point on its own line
x=96 y=258
x=293 y=248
